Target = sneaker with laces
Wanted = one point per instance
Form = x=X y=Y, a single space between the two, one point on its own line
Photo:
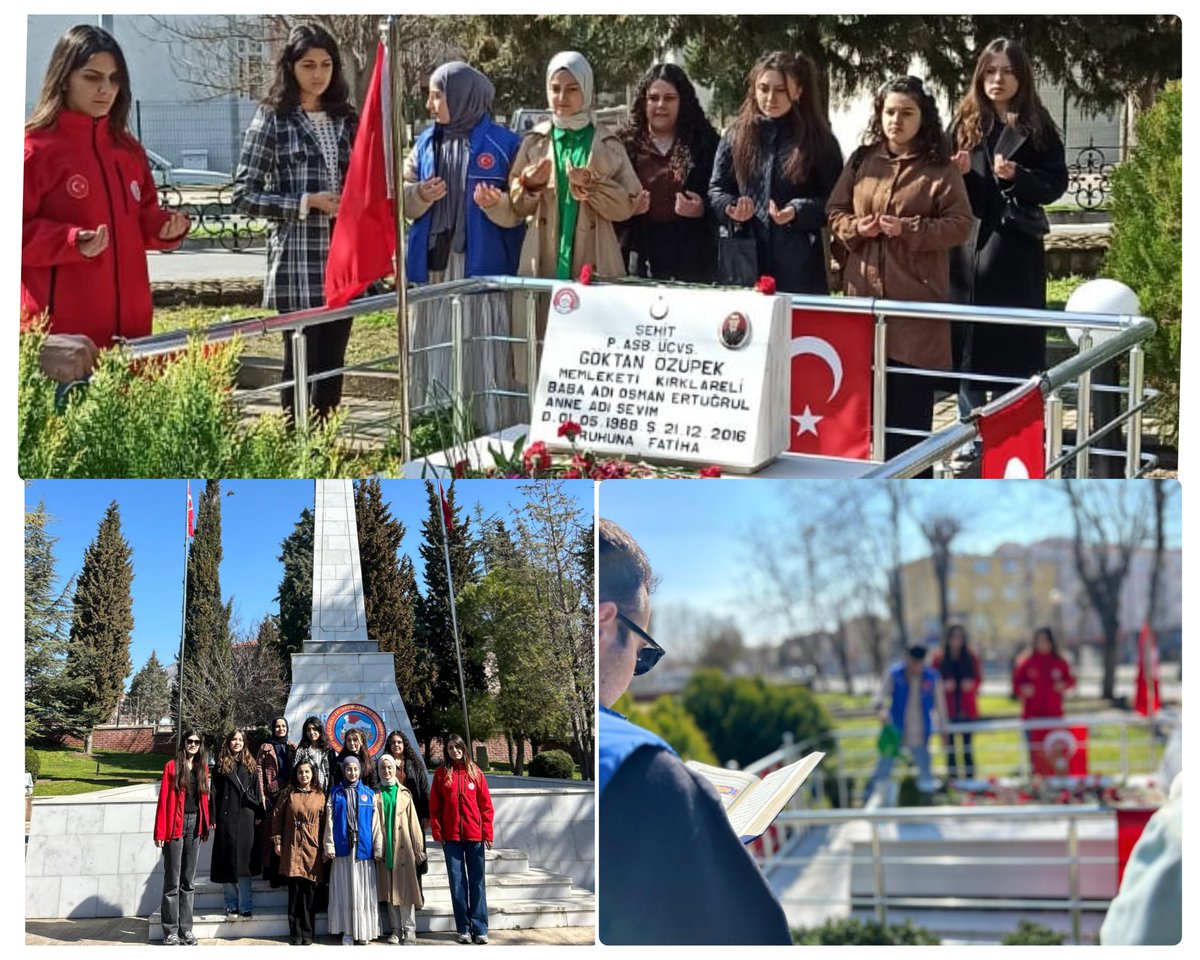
x=464 y=938
x=481 y=938
x=171 y=940
x=393 y=938
x=189 y=939
x=230 y=915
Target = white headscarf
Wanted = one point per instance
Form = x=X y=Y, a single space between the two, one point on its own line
x=575 y=64
x=387 y=768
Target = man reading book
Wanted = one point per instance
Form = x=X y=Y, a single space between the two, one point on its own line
x=672 y=871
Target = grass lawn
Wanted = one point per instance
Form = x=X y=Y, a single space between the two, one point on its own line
x=65 y=772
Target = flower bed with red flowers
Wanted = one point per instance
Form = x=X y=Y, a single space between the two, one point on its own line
x=1046 y=791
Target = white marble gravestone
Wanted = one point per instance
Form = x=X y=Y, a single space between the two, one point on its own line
x=341 y=670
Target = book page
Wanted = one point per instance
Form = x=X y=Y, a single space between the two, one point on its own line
x=729 y=784
x=762 y=803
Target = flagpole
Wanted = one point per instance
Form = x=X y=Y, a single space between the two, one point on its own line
x=395 y=85
x=443 y=505
x=183 y=621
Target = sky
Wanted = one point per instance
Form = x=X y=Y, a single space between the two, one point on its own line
x=256 y=515
x=700 y=536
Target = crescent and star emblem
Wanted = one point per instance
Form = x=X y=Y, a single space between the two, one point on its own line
x=807 y=421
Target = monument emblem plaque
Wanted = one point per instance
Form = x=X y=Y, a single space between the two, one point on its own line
x=679 y=375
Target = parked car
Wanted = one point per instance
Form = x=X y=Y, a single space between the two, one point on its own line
x=525 y=119
x=168 y=175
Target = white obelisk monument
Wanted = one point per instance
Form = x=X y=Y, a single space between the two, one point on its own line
x=341 y=676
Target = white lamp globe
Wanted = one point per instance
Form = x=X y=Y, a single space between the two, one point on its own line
x=1101 y=296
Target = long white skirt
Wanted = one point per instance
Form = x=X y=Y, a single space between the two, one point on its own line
x=487 y=364
x=353 y=907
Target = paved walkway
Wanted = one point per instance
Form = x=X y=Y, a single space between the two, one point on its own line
x=134 y=931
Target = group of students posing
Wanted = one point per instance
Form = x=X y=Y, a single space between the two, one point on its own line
x=343 y=831
x=921 y=214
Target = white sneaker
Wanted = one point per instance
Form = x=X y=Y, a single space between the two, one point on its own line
x=481 y=938
x=464 y=938
x=393 y=938
x=231 y=916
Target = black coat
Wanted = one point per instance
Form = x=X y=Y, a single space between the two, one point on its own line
x=417 y=783
x=236 y=804
x=793 y=254
x=1006 y=268
x=682 y=249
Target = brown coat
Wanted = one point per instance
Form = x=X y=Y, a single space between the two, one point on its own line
x=611 y=198
x=400 y=885
x=297 y=825
x=932 y=203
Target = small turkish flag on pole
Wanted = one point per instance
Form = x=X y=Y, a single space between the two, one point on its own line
x=191 y=513
x=447 y=516
x=1014 y=438
x=1146 y=700
x=831 y=383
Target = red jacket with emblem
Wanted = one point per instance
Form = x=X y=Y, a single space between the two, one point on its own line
x=168 y=818
x=1044 y=672
x=76 y=178
x=460 y=806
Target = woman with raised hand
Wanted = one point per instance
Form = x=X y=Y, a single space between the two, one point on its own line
x=181 y=824
x=294 y=161
x=461 y=159
x=239 y=806
x=900 y=207
x=89 y=205
x=774 y=169
x=1011 y=157
x=671 y=144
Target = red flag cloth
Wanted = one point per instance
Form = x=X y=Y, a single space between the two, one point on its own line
x=1014 y=440
x=447 y=516
x=1145 y=700
x=191 y=513
x=1131 y=821
x=363 y=245
x=1060 y=752
x=831 y=383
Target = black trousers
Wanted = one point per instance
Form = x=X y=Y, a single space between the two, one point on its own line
x=910 y=407
x=301 y=915
x=952 y=755
x=326 y=351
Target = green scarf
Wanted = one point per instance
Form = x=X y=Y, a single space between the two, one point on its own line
x=572 y=147
x=388 y=792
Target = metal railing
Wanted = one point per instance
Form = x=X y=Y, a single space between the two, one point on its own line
x=1070 y=378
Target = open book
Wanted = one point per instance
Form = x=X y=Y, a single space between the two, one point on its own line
x=753 y=804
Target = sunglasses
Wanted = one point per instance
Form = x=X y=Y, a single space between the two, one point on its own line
x=190 y=741
x=648 y=656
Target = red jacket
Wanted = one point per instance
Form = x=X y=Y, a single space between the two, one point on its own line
x=76 y=178
x=1043 y=671
x=961 y=699
x=460 y=808
x=168 y=819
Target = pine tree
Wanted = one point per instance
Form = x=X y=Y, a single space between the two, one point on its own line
x=386 y=594
x=101 y=625
x=435 y=635
x=47 y=620
x=295 y=589
x=150 y=691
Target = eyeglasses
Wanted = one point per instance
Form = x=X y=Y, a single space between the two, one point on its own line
x=648 y=656
x=192 y=741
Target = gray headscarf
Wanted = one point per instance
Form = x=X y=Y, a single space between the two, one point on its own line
x=468 y=96
x=351 y=792
x=577 y=66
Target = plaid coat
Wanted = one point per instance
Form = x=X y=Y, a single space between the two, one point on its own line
x=281 y=161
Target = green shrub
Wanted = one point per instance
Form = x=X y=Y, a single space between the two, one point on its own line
x=1029 y=933
x=670 y=720
x=865 y=932
x=33 y=762
x=552 y=765
x=1146 y=249
x=167 y=418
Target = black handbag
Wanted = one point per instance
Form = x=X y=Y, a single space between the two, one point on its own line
x=1027 y=220
x=439 y=251
x=737 y=259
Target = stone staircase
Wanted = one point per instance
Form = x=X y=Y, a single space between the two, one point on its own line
x=519 y=897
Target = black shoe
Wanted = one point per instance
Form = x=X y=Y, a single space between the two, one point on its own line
x=247 y=914
x=189 y=939
x=172 y=940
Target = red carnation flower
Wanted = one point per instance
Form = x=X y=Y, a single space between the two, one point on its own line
x=572 y=473
x=461 y=468
x=710 y=473
x=585 y=275
x=536 y=457
x=570 y=429
x=765 y=285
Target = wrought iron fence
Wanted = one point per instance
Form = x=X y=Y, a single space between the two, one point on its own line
x=1089 y=174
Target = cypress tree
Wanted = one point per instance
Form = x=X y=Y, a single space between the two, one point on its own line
x=295 y=589
x=150 y=691
x=101 y=625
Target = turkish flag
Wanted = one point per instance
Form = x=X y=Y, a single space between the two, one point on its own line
x=1145 y=700
x=1014 y=439
x=1060 y=752
x=363 y=245
x=447 y=515
x=191 y=514
x=831 y=383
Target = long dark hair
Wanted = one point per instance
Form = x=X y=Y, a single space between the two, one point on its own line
x=199 y=764
x=73 y=49
x=227 y=759
x=322 y=743
x=313 y=784
x=284 y=95
x=805 y=121
x=694 y=134
x=975 y=117
x=964 y=659
x=366 y=765
x=454 y=740
x=1049 y=634
x=930 y=141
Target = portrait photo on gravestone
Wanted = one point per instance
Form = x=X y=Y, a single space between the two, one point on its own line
x=590 y=247
x=298 y=711
x=892 y=712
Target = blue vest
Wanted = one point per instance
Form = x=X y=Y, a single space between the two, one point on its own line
x=618 y=740
x=491 y=250
x=366 y=812
x=900 y=688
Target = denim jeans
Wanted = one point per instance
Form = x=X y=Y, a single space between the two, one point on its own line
x=883 y=770
x=179 y=878
x=464 y=865
x=239 y=892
